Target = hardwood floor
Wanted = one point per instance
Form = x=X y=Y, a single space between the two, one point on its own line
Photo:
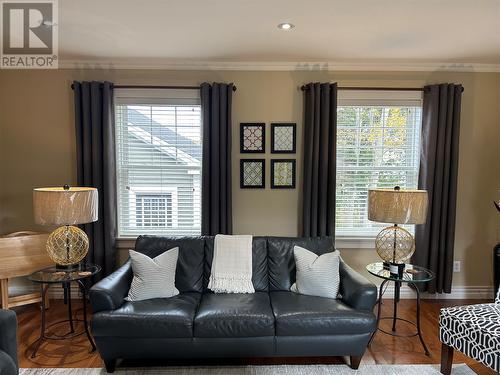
x=384 y=349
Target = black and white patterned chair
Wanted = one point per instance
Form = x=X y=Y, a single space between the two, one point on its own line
x=473 y=330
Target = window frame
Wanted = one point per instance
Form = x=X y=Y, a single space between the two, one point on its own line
x=372 y=98
x=174 y=97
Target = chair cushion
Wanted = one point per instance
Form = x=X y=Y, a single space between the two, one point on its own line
x=159 y=317
x=473 y=330
x=234 y=315
x=301 y=315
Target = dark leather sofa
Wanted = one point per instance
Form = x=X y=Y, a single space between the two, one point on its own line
x=8 y=343
x=199 y=324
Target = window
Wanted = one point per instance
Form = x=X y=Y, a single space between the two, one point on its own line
x=153 y=211
x=159 y=154
x=378 y=145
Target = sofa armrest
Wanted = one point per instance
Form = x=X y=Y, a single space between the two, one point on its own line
x=357 y=291
x=109 y=293
x=8 y=334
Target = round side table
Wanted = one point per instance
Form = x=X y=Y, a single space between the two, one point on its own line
x=412 y=275
x=54 y=275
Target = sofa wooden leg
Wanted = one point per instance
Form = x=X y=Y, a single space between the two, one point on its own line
x=110 y=365
x=355 y=360
x=446 y=359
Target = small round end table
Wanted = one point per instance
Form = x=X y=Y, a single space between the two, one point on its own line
x=55 y=275
x=412 y=275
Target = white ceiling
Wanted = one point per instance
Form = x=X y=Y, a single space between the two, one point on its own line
x=342 y=31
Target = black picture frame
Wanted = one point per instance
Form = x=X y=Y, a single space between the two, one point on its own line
x=274 y=126
x=242 y=176
x=261 y=125
x=293 y=162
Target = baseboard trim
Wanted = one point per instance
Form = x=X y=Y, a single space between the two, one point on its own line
x=55 y=291
x=457 y=292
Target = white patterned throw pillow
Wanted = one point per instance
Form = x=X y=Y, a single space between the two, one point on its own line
x=153 y=277
x=316 y=275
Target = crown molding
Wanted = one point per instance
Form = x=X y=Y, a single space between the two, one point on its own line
x=277 y=66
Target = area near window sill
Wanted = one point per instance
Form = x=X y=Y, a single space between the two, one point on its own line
x=344 y=242
x=340 y=242
x=125 y=243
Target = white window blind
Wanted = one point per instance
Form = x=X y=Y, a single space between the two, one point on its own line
x=159 y=155
x=378 y=145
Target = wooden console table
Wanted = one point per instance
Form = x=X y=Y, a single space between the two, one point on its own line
x=21 y=253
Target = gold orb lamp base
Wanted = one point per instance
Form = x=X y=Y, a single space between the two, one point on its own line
x=395 y=245
x=67 y=245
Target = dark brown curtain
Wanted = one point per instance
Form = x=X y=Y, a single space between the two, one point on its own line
x=95 y=147
x=216 y=201
x=320 y=149
x=438 y=175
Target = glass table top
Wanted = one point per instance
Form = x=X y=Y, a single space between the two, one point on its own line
x=411 y=273
x=60 y=275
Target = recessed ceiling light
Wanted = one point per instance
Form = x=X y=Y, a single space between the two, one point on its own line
x=285 y=26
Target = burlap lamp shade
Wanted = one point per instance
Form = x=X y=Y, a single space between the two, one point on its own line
x=395 y=244
x=66 y=206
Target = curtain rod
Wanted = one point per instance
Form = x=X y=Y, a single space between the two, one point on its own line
x=161 y=87
x=304 y=88
x=157 y=87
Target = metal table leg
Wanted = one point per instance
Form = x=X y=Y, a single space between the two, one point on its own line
x=379 y=308
x=397 y=291
x=44 y=289
x=418 y=319
x=84 y=297
x=67 y=292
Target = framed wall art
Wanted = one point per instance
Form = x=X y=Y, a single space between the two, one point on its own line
x=252 y=138
x=283 y=138
x=283 y=173
x=252 y=173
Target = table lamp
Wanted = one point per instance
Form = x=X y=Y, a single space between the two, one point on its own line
x=394 y=244
x=66 y=206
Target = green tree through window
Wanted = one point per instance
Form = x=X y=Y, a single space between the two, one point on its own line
x=377 y=146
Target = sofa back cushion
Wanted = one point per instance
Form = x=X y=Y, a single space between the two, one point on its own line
x=189 y=271
x=259 y=263
x=281 y=262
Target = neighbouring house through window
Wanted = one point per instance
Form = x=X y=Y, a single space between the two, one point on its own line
x=159 y=158
x=378 y=145
x=153 y=210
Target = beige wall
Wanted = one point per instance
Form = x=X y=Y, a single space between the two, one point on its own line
x=37 y=147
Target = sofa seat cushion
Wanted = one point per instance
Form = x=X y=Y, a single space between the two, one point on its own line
x=301 y=315
x=159 y=317
x=234 y=315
